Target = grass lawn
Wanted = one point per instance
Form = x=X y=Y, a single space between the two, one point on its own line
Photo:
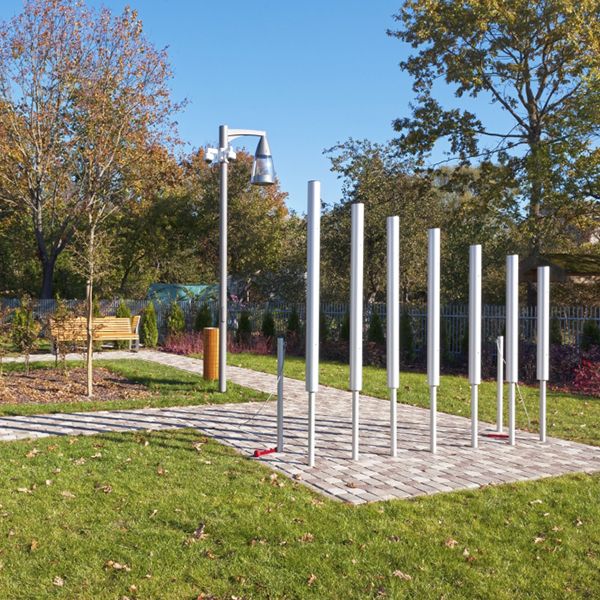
x=173 y=387
x=569 y=416
x=114 y=516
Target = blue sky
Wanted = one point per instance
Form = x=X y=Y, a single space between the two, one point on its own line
x=310 y=73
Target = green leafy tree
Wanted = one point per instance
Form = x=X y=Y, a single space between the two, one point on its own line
x=324 y=327
x=590 y=335
x=293 y=325
x=538 y=63
x=149 y=327
x=203 y=318
x=268 y=325
x=375 y=332
x=25 y=329
x=175 y=319
x=373 y=175
x=345 y=328
x=5 y=335
x=122 y=312
x=407 y=338
x=244 y=331
x=555 y=332
x=59 y=321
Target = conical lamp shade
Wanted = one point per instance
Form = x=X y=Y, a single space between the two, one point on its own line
x=263 y=171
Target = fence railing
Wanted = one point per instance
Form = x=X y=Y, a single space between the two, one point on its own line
x=568 y=319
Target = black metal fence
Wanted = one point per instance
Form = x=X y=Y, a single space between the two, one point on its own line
x=570 y=319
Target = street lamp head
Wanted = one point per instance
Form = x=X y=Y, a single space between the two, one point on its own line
x=263 y=172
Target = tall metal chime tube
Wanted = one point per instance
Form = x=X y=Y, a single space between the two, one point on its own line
x=512 y=339
x=356 y=318
x=433 y=329
x=543 y=341
x=474 y=337
x=312 y=309
x=393 y=325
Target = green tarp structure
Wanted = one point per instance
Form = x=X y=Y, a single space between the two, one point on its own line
x=165 y=293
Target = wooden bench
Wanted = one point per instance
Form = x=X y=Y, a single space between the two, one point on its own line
x=104 y=329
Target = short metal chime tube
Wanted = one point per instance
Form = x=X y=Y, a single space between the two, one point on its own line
x=280 y=361
x=543 y=341
x=500 y=384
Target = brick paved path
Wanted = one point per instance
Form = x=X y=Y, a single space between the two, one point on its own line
x=376 y=476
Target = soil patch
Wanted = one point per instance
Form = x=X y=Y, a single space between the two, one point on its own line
x=43 y=386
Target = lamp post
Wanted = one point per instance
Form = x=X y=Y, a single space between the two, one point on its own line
x=263 y=173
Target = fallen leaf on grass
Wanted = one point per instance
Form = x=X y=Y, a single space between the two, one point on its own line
x=539 y=539
x=311 y=579
x=67 y=494
x=32 y=453
x=578 y=522
x=199 y=532
x=79 y=461
x=401 y=575
x=306 y=538
x=161 y=471
x=450 y=543
x=58 y=581
x=117 y=566
x=23 y=490
x=97 y=455
x=538 y=501
x=33 y=546
x=103 y=487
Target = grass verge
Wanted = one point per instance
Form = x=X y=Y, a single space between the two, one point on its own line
x=114 y=516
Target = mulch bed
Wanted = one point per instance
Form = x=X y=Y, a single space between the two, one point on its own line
x=43 y=386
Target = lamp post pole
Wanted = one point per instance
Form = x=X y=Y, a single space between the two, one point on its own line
x=223 y=163
x=263 y=173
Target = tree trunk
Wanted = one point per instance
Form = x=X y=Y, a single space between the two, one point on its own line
x=48 y=265
x=90 y=338
x=90 y=311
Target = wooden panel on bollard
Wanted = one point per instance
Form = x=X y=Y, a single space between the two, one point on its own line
x=211 y=353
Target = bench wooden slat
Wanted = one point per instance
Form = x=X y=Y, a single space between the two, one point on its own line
x=103 y=329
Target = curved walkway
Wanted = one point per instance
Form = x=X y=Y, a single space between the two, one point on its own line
x=376 y=476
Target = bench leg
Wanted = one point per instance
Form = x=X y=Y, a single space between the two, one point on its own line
x=137 y=345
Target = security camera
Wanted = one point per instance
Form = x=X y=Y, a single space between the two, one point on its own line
x=210 y=155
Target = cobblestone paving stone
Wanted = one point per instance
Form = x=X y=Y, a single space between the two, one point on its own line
x=375 y=476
